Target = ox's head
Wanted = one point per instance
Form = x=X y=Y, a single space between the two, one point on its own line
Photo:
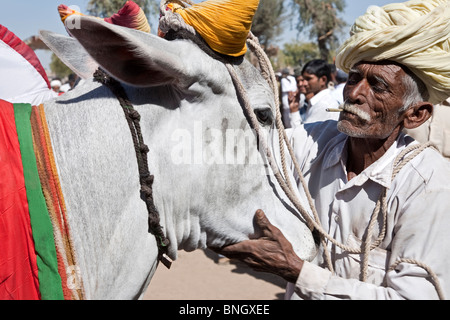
x=210 y=176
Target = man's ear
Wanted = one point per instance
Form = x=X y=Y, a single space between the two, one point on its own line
x=324 y=81
x=418 y=115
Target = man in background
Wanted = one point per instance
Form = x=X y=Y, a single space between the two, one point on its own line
x=317 y=75
x=288 y=90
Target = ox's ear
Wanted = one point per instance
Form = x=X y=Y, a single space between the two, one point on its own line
x=134 y=57
x=71 y=52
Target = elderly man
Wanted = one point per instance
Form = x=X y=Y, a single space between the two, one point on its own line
x=381 y=198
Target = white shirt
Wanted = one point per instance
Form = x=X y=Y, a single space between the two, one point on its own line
x=288 y=84
x=319 y=104
x=417 y=224
x=436 y=129
x=338 y=93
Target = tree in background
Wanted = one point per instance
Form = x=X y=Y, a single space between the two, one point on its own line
x=318 y=17
x=299 y=53
x=268 y=20
x=106 y=8
x=321 y=18
x=58 y=68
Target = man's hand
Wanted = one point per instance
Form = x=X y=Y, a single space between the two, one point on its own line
x=271 y=253
x=294 y=101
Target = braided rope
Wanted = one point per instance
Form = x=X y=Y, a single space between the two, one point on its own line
x=141 y=149
x=168 y=17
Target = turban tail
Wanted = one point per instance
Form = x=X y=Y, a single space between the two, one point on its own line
x=415 y=34
x=223 y=24
x=130 y=16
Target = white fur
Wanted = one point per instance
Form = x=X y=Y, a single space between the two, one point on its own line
x=71 y=53
x=200 y=204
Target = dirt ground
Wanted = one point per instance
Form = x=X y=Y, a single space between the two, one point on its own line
x=199 y=275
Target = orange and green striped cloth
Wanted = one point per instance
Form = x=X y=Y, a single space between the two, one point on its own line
x=36 y=254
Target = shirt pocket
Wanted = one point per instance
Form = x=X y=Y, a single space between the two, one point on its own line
x=377 y=264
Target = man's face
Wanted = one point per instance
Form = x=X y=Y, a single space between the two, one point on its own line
x=374 y=94
x=314 y=84
x=301 y=85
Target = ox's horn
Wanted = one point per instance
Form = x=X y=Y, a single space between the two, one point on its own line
x=130 y=15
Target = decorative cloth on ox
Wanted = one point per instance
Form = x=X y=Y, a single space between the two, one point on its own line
x=19 y=271
x=130 y=16
x=223 y=24
x=415 y=34
x=36 y=255
x=23 y=79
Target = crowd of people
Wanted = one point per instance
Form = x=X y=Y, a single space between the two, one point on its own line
x=60 y=88
x=309 y=92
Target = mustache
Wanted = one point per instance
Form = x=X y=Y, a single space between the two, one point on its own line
x=353 y=109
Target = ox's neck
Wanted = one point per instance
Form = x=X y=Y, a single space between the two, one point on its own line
x=100 y=180
x=205 y=194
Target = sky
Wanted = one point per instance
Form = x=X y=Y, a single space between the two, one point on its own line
x=26 y=17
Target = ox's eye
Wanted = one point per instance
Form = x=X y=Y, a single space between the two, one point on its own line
x=265 y=116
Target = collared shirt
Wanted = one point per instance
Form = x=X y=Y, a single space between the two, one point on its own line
x=318 y=105
x=418 y=201
x=436 y=129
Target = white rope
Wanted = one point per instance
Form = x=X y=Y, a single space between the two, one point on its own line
x=380 y=208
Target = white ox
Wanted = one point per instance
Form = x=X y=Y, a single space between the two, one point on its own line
x=193 y=123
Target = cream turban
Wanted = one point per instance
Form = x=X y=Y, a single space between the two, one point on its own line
x=415 y=34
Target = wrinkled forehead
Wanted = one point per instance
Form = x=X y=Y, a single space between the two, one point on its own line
x=384 y=69
x=390 y=74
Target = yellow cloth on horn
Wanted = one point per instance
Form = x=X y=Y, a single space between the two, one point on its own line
x=223 y=24
x=415 y=34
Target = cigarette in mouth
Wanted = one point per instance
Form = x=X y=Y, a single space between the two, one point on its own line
x=334 y=110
